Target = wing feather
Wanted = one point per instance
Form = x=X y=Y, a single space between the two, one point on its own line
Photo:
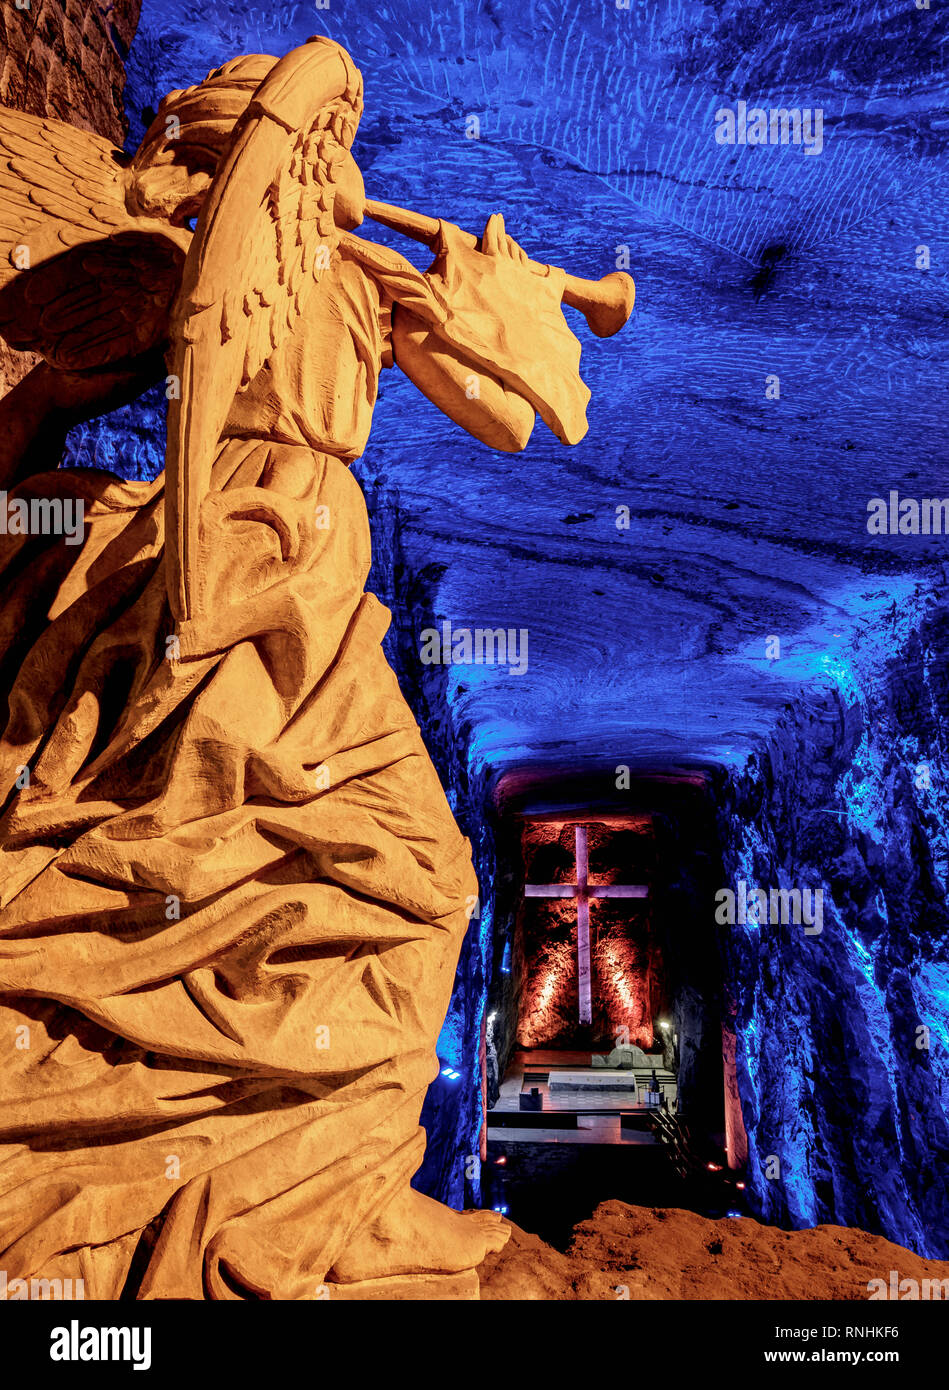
x=47 y=169
x=248 y=277
x=63 y=193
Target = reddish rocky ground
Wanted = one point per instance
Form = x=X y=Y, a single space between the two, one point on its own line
x=661 y=1253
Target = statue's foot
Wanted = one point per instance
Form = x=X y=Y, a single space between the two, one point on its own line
x=416 y=1235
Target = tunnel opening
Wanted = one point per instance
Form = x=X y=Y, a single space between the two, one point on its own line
x=610 y=1055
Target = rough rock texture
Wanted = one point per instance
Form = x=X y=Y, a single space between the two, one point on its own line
x=66 y=59
x=660 y=1253
x=842 y=1060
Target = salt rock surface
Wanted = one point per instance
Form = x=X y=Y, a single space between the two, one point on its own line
x=663 y=1253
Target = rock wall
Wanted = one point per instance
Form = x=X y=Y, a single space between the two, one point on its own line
x=66 y=59
x=843 y=1046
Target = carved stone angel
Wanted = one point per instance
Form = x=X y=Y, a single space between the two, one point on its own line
x=233 y=894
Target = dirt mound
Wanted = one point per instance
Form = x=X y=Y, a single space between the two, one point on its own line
x=662 y=1253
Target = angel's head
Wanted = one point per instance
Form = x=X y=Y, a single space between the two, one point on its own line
x=174 y=166
x=179 y=156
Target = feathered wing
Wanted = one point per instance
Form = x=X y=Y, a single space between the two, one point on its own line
x=83 y=281
x=264 y=234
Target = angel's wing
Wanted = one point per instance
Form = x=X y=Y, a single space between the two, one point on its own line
x=262 y=238
x=83 y=281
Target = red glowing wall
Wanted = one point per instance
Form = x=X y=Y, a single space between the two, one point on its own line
x=628 y=987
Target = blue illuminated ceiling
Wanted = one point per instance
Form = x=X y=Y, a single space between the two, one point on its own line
x=747 y=515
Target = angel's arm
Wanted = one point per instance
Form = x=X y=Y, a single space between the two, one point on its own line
x=499 y=351
x=475 y=399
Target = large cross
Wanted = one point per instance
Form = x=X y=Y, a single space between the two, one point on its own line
x=583 y=892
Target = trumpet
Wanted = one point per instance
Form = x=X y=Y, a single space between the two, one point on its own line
x=606 y=304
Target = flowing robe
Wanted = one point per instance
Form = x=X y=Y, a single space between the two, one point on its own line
x=233 y=893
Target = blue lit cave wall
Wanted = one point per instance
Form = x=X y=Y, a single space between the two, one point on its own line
x=782 y=369
x=843 y=1058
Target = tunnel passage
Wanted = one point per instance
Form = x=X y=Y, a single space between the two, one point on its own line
x=608 y=1040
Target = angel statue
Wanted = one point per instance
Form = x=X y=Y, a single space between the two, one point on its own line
x=233 y=893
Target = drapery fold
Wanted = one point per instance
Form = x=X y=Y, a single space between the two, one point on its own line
x=232 y=891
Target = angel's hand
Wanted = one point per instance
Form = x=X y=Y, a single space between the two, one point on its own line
x=496 y=242
x=503 y=327
x=498 y=416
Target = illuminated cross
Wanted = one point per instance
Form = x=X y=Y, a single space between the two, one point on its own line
x=583 y=892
